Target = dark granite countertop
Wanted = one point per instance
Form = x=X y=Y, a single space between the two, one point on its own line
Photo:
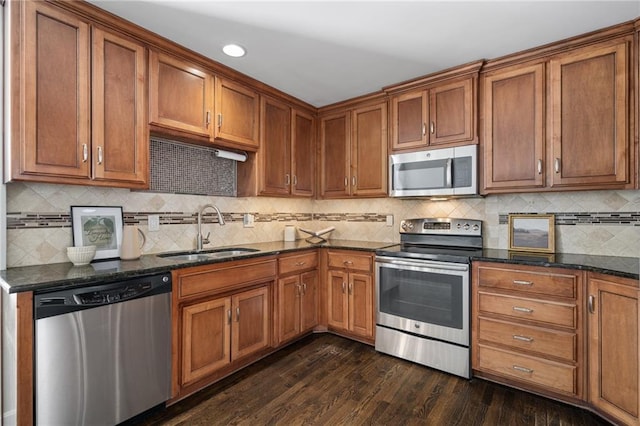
x=627 y=267
x=62 y=275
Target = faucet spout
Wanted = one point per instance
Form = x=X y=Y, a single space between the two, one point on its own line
x=200 y=239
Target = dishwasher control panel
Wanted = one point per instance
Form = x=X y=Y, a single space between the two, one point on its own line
x=84 y=297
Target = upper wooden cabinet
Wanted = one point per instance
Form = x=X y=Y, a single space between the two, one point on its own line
x=180 y=95
x=353 y=152
x=560 y=123
x=513 y=138
x=589 y=109
x=237 y=111
x=440 y=115
x=56 y=137
x=287 y=148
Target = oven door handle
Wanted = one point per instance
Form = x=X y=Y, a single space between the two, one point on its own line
x=423 y=264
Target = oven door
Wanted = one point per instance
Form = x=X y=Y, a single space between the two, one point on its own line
x=423 y=297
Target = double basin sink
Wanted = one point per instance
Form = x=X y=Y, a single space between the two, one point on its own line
x=208 y=254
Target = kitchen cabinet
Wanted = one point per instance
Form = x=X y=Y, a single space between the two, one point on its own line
x=354 y=152
x=237 y=110
x=222 y=320
x=613 y=322
x=580 y=98
x=180 y=95
x=528 y=328
x=350 y=294
x=440 y=115
x=303 y=153
x=297 y=295
x=85 y=123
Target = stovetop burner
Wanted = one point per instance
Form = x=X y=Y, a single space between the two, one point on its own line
x=439 y=239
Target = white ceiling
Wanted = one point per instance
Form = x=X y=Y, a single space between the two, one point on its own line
x=327 y=51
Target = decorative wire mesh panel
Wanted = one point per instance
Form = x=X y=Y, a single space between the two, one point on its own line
x=178 y=168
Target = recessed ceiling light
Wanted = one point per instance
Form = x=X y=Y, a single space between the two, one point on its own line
x=234 y=50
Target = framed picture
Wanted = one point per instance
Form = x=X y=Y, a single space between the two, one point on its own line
x=98 y=226
x=532 y=232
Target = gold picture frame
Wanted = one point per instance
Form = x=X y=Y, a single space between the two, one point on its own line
x=532 y=232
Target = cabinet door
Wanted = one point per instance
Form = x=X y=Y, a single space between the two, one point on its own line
x=613 y=349
x=275 y=154
x=250 y=327
x=303 y=154
x=237 y=114
x=409 y=114
x=309 y=301
x=180 y=95
x=589 y=113
x=119 y=129
x=289 y=307
x=56 y=93
x=338 y=300
x=513 y=107
x=451 y=111
x=335 y=155
x=205 y=338
x=361 y=318
x=369 y=150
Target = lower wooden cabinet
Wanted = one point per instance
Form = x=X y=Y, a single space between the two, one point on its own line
x=350 y=294
x=222 y=320
x=614 y=376
x=527 y=328
x=298 y=295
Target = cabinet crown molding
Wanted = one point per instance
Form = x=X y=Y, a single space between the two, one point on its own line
x=461 y=71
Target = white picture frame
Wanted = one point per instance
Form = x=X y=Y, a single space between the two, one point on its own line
x=99 y=226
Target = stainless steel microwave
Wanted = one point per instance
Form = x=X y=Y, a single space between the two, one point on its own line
x=434 y=173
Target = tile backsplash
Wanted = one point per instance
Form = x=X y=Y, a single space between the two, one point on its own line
x=39 y=227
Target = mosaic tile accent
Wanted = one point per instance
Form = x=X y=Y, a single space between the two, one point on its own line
x=189 y=169
x=583 y=218
x=350 y=217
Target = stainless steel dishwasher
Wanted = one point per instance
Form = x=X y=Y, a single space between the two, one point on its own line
x=103 y=352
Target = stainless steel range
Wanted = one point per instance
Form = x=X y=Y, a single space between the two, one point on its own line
x=423 y=293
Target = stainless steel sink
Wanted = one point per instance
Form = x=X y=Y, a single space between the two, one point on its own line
x=208 y=254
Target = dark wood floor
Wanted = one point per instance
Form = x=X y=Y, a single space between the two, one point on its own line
x=328 y=380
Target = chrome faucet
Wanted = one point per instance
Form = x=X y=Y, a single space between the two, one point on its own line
x=200 y=240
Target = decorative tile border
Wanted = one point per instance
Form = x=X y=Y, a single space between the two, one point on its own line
x=18 y=220
x=584 y=218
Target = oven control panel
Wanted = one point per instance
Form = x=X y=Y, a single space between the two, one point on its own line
x=443 y=226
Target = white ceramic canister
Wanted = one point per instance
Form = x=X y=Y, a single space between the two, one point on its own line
x=289 y=233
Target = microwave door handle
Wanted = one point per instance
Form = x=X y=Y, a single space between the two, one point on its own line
x=448 y=173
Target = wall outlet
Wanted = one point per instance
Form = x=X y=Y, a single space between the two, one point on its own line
x=153 y=222
x=248 y=220
x=389 y=220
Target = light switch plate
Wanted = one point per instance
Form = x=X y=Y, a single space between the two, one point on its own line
x=389 y=220
x=154 y=222
x=248 y=220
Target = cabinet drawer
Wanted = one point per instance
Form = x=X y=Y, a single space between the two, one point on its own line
x=549 y=374
x=535 y=339
x=200 y=280
x=541 y=311
x=299 y=262
x=542 y=282
x=359 y=262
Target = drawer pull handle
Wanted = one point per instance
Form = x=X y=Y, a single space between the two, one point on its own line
x=348 y=262
x=522 y=338
x=301 y=263
x=524 y=310
x=522 y=369
x=521 y=282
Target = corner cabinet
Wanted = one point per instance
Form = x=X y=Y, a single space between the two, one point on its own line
x=540 y=118
x=85 y=123
x=614 y=361
x=298 y=295
x=350 y=294
x=222 y=320
x=353 y=152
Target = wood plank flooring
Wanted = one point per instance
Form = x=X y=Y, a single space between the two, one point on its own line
x=328 y=380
